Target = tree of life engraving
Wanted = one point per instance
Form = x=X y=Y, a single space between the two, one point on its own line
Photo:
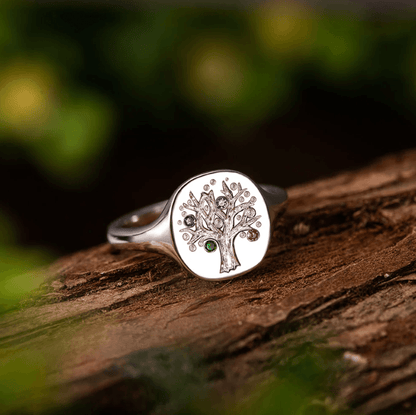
x=216 y=222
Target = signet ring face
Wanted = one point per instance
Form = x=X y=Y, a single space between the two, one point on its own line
x=218 y=225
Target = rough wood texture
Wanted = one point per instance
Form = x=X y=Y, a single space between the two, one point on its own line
x=342 y=264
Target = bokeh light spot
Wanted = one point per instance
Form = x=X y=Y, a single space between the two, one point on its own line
x=287 y=29
x=216 y=74
x=75 y=144
x=26 y=96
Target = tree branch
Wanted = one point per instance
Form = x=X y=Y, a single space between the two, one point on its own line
x=244 y=224
x=240 y=191
x=213 y=211
x=186 y=206
x=226 y=190
x=193 y=198
x=243 y=206
x=198 y=234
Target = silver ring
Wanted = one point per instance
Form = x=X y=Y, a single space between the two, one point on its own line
x=218 y=225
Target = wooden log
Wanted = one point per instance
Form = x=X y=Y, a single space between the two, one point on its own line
x=341 y=266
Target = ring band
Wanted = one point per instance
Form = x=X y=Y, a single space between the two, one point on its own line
x=218 y=224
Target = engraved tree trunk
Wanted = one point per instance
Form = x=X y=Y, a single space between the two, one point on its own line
x=229 y=260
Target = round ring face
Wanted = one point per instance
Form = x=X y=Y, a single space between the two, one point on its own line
x=220 y=225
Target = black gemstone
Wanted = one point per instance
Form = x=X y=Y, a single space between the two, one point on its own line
x=189 y=221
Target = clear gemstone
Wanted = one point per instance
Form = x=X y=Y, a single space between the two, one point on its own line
x=222 y=202
x=251 y=213
x=218 y=223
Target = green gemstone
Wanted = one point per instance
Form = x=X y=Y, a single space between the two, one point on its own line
x=210 y=246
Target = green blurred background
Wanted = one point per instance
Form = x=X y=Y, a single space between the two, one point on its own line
x=109 y=106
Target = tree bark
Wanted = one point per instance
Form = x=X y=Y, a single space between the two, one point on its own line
x=341 y=266
x=229 y=259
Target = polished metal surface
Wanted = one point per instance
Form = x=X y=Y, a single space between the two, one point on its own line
x=217 y=224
